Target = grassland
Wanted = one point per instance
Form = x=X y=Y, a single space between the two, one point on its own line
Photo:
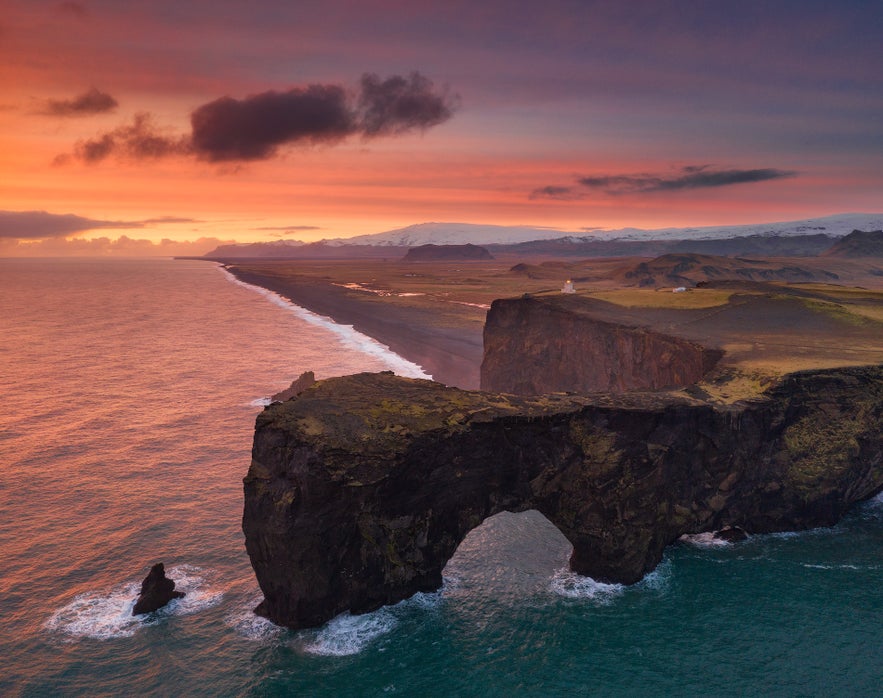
x=433 y=312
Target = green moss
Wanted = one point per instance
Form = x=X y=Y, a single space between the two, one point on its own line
x=822 y=448
x=837 y=312
x=598 y=445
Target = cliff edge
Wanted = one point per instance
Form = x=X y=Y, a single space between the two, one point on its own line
x=556 y=344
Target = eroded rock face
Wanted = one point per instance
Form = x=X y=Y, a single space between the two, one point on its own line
x=552 y=344
x=362 y=487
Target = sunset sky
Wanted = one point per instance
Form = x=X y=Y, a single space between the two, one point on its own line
x=296 y=119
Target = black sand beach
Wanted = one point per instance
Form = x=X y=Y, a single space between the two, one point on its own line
x=445 y=347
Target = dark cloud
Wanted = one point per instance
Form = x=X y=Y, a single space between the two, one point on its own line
x=556 y=192
x=691 y=177
x=36 y=225
x=398 y=104
x=92 y=102
x=254 y=128
x=141 y=140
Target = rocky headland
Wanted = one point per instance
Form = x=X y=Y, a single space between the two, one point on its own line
x=362 y=487
x=558 y=344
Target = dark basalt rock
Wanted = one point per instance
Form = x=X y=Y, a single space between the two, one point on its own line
x=298 y=385
x=731 y=534
x=555 y=344
x=362 y=487
x=432 y=253
x=156 y=591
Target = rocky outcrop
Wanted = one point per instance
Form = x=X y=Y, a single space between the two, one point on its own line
x=689 y=269
x=536 y=345
x=859 y=243
x=298 y=385
x=362 y=487
x=156 y=591
x=433 y=253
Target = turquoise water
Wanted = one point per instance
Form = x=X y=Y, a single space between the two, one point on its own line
x=129 y=392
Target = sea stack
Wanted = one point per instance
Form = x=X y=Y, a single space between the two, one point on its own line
x=156 y=591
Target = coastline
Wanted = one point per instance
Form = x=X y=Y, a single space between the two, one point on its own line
x=450 y=354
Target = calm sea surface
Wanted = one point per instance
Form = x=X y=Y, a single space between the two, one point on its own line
x=129 y=391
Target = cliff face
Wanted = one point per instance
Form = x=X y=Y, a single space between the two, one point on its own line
x=362 y=487
x=534 y=346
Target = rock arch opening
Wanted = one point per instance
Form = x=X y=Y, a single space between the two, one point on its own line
x=508 y=554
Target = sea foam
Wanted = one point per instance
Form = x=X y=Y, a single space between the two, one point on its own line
x=345 y=334
x=108 y=615
x=571 y=585
x=251 y=626
x=347 y=634
x=704 y=540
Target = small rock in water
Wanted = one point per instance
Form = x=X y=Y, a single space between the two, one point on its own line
x=731 y=534
x=156 y=591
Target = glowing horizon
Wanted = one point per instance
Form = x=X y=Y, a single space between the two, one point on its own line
x=183 y=123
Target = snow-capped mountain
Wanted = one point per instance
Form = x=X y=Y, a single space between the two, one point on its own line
x=462 y=233
x=451 y=234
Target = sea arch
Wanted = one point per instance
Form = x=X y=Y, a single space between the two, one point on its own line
x=362 y=488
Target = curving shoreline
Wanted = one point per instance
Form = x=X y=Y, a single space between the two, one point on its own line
x=450 y=354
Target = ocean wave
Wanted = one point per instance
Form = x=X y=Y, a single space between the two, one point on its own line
x=571 y=585
x=108 y=615
x=248 y=624
x=345 y=334
x=260 y=402
x=658 y=579
x=844 y=566
x=347 y=634
x=704 y=540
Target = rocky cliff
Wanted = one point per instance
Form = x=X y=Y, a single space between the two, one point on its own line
x=554 y=344
x=362 y=487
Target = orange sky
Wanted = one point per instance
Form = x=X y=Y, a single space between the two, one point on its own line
x=559 y=115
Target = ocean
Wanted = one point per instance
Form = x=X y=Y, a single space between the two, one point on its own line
x=129 y=391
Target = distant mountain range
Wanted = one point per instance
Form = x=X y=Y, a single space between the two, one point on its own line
x=804 y=237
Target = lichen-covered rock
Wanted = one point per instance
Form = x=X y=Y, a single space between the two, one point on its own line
x=362 y=487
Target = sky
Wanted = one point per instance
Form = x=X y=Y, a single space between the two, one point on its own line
x=169 y=126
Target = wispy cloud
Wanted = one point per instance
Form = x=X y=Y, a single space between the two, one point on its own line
x=94 y=101
x=162 y=220
x=72 y=9
x=684 y=178
x=288 y=227
x=690 y=177
x=256 y=127
x=556 y=192
x=140 y=140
